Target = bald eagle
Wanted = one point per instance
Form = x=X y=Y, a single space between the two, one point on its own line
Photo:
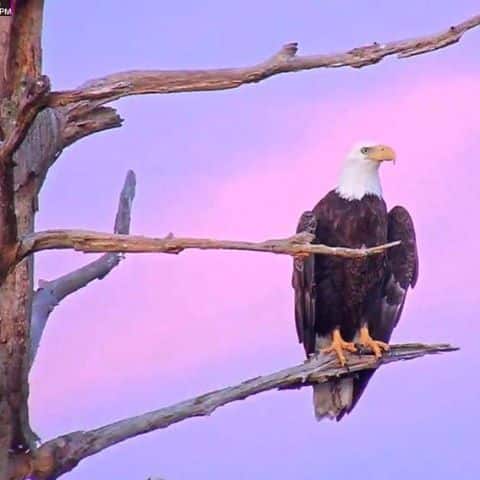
x=343 y=302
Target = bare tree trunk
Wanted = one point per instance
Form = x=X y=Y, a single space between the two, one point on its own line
x=20 y=69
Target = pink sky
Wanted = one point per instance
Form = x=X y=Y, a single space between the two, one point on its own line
x=161 y=328
x=265 y=202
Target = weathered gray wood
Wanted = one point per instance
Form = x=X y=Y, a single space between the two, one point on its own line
x=84 y=115
x=65 y=452
x=32 y=100
x=37 y=152
x=95 y=242
x=117 y=85
x=50 y=293
x=38 y=148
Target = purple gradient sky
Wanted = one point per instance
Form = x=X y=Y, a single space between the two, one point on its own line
x=162 y=328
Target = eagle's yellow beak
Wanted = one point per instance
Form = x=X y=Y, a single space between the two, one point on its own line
x=381 y=153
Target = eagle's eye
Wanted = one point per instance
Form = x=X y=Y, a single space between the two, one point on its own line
x=364 y=150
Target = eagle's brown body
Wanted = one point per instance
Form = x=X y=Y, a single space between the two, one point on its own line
x=333 y=292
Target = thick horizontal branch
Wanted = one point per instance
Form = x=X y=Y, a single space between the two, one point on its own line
x=86 y=241
x=50 y=293
x=62 y=454
x=122 y=84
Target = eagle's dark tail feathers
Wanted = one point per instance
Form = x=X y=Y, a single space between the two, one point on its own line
x=333 y=399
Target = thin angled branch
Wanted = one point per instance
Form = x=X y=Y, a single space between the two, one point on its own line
x=117 y=85
x=50 y=293
x=89 y=242
x=65 y=452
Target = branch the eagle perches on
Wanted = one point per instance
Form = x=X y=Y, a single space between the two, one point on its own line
x=58 y=456
x=36 y=125
x=61 y=454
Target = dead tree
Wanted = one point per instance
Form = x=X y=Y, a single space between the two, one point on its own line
x=36 y=124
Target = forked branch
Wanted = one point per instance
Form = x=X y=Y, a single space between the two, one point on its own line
x=88 y=242
x=64 y=453
x=117 y=85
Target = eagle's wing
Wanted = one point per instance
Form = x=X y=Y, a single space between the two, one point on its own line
x=303 y=284
x=401 y=274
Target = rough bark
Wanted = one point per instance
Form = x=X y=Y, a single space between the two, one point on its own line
x=23 y=93
x=33 y=99
x=38 y=147
x=62 y=454
x=24 y=57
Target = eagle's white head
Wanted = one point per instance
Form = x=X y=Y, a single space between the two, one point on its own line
x=359 y=175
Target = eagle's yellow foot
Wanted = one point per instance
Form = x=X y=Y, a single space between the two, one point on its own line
x=376 y=346
x=301 y=255
x=338 y=345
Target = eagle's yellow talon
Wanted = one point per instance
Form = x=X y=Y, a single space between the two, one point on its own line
x=338 y=345
x=376 y=346
x=301 y=255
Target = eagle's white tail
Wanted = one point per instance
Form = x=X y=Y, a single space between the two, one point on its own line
x=332 y=398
